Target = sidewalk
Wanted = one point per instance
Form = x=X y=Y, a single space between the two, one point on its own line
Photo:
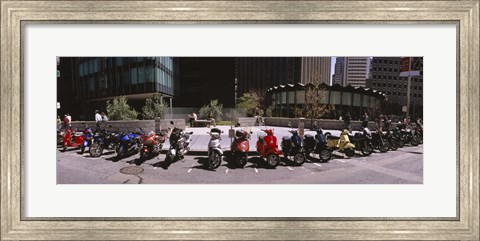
x=200 y=138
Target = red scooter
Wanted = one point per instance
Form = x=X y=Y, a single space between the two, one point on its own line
x=72 y=139
x=240 y=147
x=267 y=147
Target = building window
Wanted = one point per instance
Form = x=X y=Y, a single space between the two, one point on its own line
x=133 y=76
x=141 y=75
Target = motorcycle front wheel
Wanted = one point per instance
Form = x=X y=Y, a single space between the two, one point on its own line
x=299 y=159
x=393 y=145
x=349 y=152
x=273 y=160
x=383 y=147
x=120 y=152
x=241 y=160
x=414 y=142
x=96 y=150
x=214 y=160
x=325 y=155
x=367 y=149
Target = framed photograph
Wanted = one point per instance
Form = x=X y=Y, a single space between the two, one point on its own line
x=240 y=120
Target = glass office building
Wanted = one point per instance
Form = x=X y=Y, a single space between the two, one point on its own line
x=87 y=82
x=109 y=77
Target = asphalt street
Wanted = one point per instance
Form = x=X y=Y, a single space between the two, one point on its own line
x=404 y=166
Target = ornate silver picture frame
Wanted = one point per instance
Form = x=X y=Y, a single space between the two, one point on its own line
x=16 y=14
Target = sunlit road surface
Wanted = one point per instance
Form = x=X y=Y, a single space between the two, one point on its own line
x=404 y=166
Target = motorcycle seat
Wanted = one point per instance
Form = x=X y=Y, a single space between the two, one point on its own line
x=78 y=134
x=286 y=138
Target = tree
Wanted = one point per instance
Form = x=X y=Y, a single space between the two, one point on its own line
x=249 y=102
x=314 y=108
x=214 y=108
x=154 y=107
x=119 y=109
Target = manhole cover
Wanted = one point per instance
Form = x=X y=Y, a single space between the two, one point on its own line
x=131 y=170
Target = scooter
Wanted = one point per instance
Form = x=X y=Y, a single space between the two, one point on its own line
x=215 y=152
x=362 y=141
x=267 y=147
x=318 y=145
x=292 y=146
x=240 y=147
x=129 y=144
x=72 y=139
x=152 y=144
x=103 y=140
x=341 y=143
x=179 y=144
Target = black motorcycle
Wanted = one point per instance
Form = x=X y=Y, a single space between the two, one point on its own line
x=393 y=140
x=408 y=135
x=179 y=144
x=379 y=141
x=103 y=140
x=317 y=145
x=362 y=141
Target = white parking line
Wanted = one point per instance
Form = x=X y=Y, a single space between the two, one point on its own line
x=316 y=164
x=226 y=170
x=189 y=170
x=341 y=161
x=255 y=169
x=289 y=168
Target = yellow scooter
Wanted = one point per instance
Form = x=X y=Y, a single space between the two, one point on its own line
x=342 y=143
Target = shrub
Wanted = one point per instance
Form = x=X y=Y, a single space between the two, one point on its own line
x=119 y=109
x=154 y=107
x=214 y=108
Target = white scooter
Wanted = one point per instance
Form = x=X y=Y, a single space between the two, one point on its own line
x=215 y=152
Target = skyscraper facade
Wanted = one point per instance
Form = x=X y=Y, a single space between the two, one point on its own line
x=257 y=74
x=340 y=72
x=351 y=71
x=385 y=77
x=316 y=70
x=356 y=72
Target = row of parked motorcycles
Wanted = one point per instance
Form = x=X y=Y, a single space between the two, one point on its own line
x=321 y=145
x=147 y=144
x=294 y=147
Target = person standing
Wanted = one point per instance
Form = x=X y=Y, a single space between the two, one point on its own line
x=66 y=121
x=346 y=121
x=98 y=118
x=380 y=122
x=365 y=120
x=191 y=118
x=104 y=117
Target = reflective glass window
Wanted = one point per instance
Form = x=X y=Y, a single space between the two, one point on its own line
x=141 y=75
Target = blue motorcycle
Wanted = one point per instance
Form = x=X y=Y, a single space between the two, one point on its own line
x=128 y=144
